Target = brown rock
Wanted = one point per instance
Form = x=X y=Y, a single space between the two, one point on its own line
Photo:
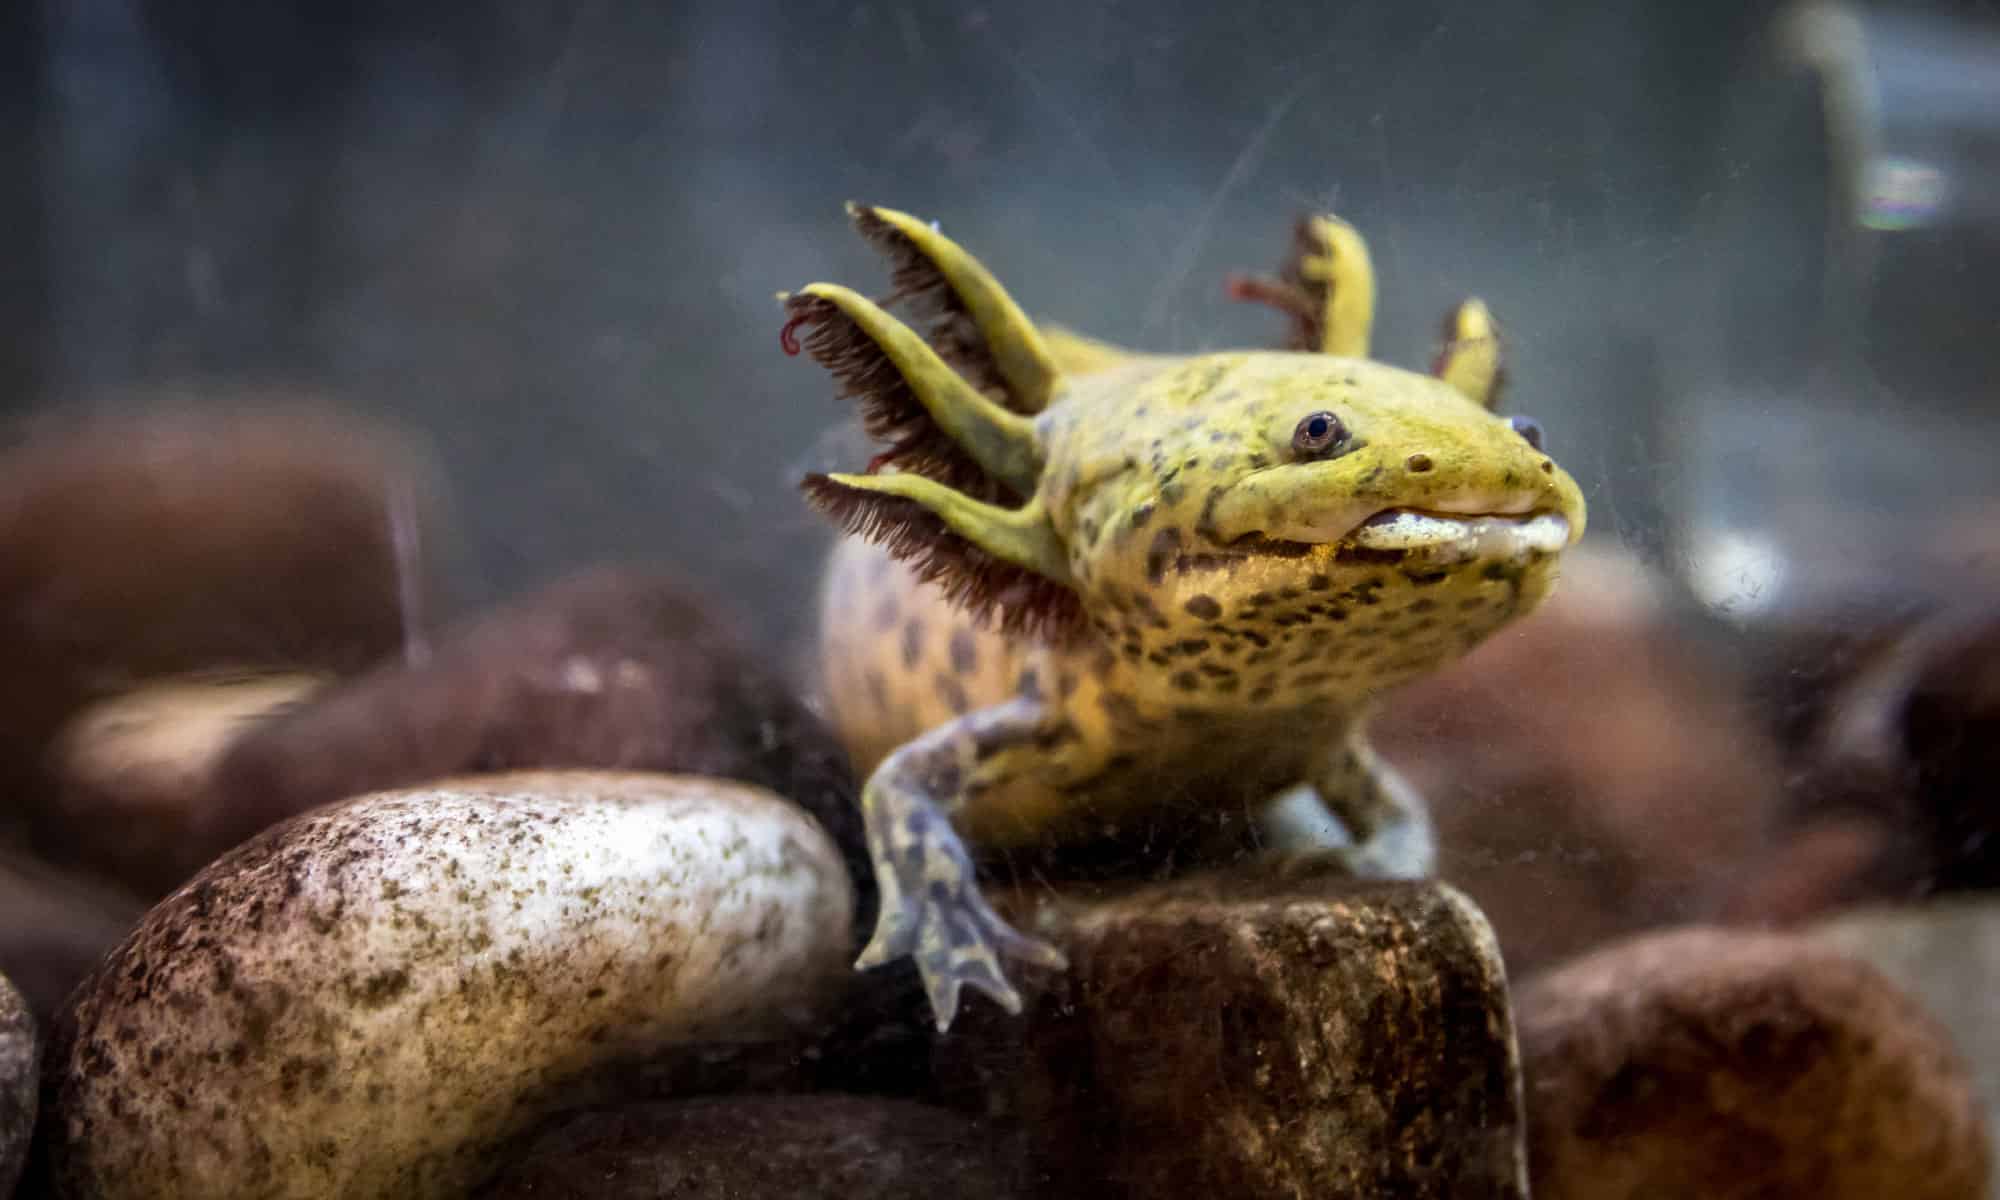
x=1946 y=953
x=1914 y=739
x=54 y=927
x=1593 y=771
x=1227 y=1036
x=148 y=543
x=20 y=1060
x=616 y=667
x=751 y=1147
x=137 y=770
x=1721 y=1064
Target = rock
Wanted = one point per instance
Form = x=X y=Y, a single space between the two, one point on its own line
x=746 y=1147
x=55 y=928
x=1820 y=865
x=136 y=543
x=365 y=1000
x=1946 y=953
x=137 y=770
x=20 y=1058
x=1227 y=1036
x=616 y=667
x=1722 y=1064
x=1593 y=769
x=1914 y=739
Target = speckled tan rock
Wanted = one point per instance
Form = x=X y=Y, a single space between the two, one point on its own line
x=361 y=1001
x=20 y=1054
x=1732 y=1066
x=1225 y=1035
x=807 y=1147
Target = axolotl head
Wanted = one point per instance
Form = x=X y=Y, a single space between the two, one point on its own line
x=1267 y=527
x=1242 y=529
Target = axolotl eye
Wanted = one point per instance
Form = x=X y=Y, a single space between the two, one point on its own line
x=1318 y=433
x=1529 y=429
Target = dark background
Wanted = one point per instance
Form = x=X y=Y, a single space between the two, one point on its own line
x=547 y=235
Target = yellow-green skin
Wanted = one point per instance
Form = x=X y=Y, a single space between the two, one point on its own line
x=1240 y=626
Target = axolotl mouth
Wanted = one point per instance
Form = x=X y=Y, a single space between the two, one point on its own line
x=1459 y=537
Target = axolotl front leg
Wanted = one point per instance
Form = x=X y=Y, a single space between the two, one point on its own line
x=932 y=909
x=1356 y=816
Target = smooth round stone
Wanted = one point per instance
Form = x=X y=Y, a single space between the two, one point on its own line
x=136 y=770
x=1728 y=1063
x=363 y=1000
x=19 y=1055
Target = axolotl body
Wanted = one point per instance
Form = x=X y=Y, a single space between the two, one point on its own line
x=1102 y=597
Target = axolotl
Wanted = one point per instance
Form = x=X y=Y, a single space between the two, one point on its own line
x=1100 y=596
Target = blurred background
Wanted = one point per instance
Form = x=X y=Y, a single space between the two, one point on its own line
x=547 y=235
x=1743 y=254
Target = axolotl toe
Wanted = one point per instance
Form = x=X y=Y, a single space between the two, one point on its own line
x=1096 y=592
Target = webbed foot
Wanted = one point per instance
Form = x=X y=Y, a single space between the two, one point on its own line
x=1361 y=819
x=933 y=911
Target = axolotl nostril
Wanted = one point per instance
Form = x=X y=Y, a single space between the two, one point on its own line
x=1096 y=590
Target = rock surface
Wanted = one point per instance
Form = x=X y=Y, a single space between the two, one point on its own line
x=615 y=667
x=145 y=541
x=1735 y=1065
x=54 y=927
x=1946 y=953
x=365 y=1000
x=1226 y=1036
x=20 y=1055
x=137 y=770
x=813 y=1147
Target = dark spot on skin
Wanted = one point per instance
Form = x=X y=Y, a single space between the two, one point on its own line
x=1260 y=693
x=1171 y=493
x=1319 y=583
x=1118 y=708
x=1217 y=671
x=964 y=652
x=1204 y=607
x=1192 y=646
x=1422 y=605
x=1427 y=578
x=1030 y=685
x=913 y=644
x=1161 y=552
x=1548 y=468
x=952 y=692
x=1417 y=464
x=1187 y=681
x=1259 y=599
x=1142 y=514
x=1259 y=461
x=1054 y=735
x=1206 y=522
x=1256 y=639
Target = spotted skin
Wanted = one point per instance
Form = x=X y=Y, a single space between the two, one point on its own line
x=1240 y=620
